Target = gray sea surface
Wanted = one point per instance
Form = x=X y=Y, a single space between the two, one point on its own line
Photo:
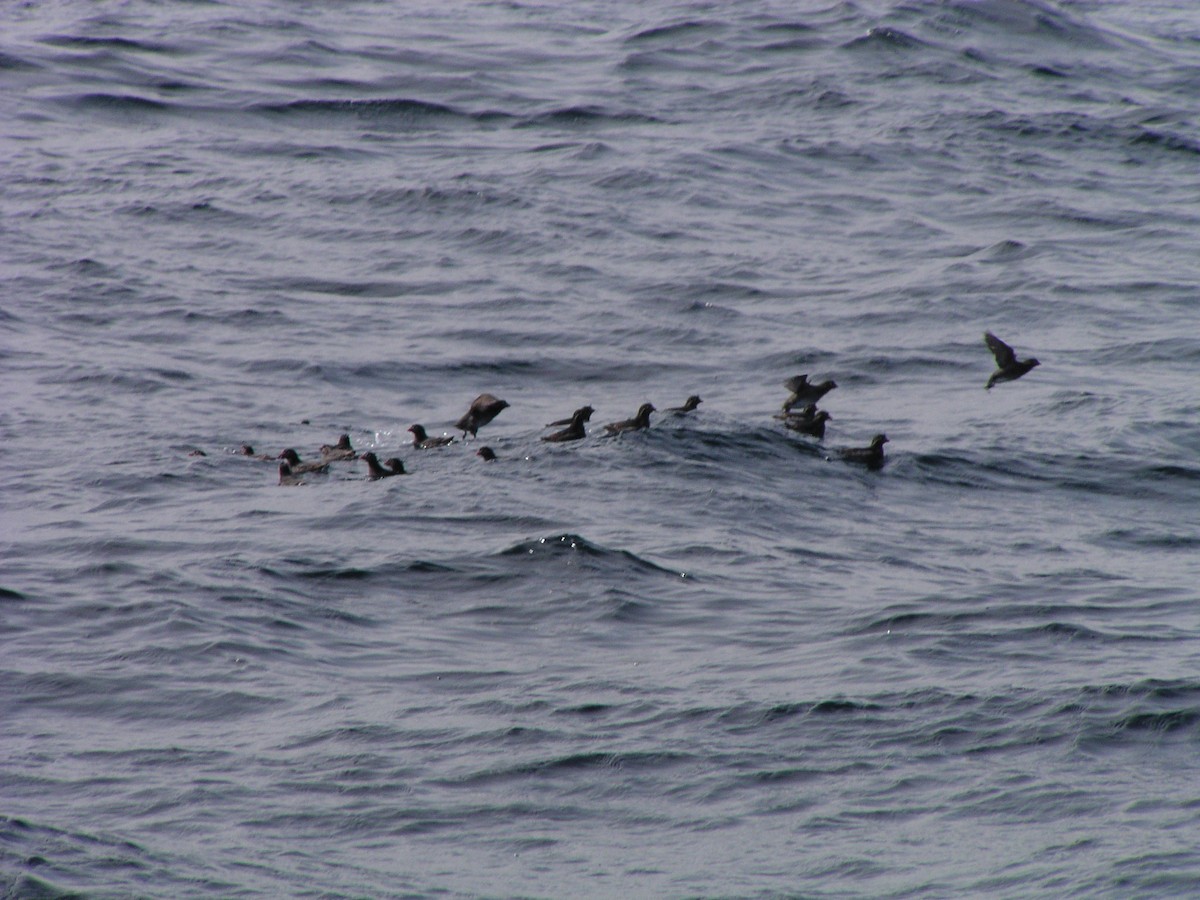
x=707 y=659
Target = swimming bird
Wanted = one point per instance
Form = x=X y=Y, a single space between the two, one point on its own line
x=810 y=421
x=1009 y=368
x=483 y=409
x=302 y=468
x=376 y=471
x=584 y=411
x=805 y=392
x=422 y=441
x=688 y=405
x=639 y=421
x=247 y=450
x=574 y=431
x=871 y=457
x=340 y=450
x=486 y=454
x=288 y=476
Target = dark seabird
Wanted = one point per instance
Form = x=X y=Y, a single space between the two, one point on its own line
x=288 y=476
x=340 y=450
x=688 y=405
x=376 y=471
x=1009 y=368
x=641 y=420
x=197 y=453
x=483 y=409
x=584 y=411
x=301 y=468
x=486 y=454
x=804 y=392
x=871 y=457
x=810 y=421
x=248 y=451
x=574 y=431
x=396 y=465
x=422 y=441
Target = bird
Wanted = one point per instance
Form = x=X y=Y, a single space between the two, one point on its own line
x=871 y=457
x=422 y=441
x=376 y=471
x=1009 y=368
x=248 y=451
x=688 y=405
x=805 y=392
x=483 y=409
x=639 y=421
x=288 y=476
x=810 y=421
x=574 y=431
x=340 y=450
x=584 y=411
x=302 y=468
x=486 y=454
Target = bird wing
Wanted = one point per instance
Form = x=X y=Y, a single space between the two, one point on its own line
x=796 y=383
x=1003 y=353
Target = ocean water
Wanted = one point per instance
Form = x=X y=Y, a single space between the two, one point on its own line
x=710 y=659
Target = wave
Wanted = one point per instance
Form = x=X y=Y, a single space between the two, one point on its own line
x=1003 y=621
x=106 y=102
x=119 y=43
x=1181 y=350
x=1104 y=474
x=10 y=63
x=674 y=30
x=383 y=109
x=575 y=550
x=437 y=199
x=1095 y=715
x=883 y=37
x=42 y=860
x=579 y=116
x=1058 y=130
x=1020 y=19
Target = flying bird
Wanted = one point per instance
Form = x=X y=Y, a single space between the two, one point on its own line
x=1008 y=367
x=804 y=392
x=483 y=409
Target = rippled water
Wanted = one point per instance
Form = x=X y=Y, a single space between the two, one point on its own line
x=708 y=659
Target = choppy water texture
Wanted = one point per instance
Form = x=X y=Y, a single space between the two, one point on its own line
x=702 y=660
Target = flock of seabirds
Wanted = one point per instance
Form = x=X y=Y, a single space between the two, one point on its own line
x=799 y=414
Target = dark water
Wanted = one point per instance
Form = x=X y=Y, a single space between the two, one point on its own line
x=701 y=660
